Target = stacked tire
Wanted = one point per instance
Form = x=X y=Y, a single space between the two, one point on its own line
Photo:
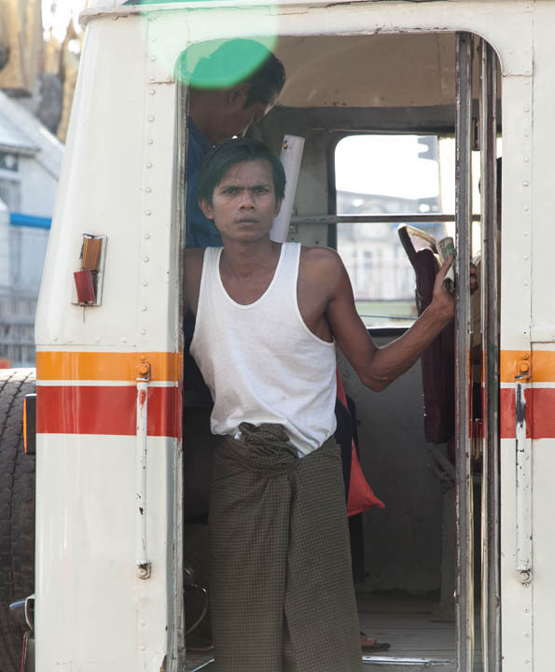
x=17 y=515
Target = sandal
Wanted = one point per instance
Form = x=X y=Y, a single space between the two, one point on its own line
x=372 y=644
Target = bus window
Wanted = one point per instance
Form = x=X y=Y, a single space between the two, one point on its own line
x=393 y=179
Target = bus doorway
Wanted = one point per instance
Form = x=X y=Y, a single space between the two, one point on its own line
x=427 y=551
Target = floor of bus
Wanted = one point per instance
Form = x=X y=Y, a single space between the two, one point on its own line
x=418 y=642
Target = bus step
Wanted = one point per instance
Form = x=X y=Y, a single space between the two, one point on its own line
x=199 y=661
x=404 y=664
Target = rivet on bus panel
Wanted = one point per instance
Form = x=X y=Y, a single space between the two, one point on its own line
x=148 y=190
x=146 y=260
x=147 y=236
x=150 y=141
x=149 y=164
x=151 y=118
x=148 y=213
x=143 y=332
x=145 y=283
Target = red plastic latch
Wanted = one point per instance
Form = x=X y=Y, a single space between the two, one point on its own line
x=84 y=283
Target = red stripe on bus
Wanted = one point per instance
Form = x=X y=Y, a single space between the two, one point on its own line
x=543 y=413
x=106 y=410
x=540 y=413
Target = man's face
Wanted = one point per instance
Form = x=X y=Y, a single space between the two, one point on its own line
x=244 y=203
x=246 y=116
x=237 y=115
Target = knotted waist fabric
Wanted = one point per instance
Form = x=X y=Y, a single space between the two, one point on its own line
x=282 y=593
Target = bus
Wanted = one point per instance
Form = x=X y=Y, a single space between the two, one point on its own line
x=457 y=567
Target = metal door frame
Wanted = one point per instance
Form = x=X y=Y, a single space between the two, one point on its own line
x=489 y=286
x=464 y=591
x=489 y=281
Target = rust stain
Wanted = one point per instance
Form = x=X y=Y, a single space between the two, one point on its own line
x=142 y=398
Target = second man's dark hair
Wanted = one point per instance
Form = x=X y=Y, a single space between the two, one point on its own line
x=235 y=62
x=230 y=152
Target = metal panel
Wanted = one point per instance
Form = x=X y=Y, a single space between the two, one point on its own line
x=463 y=219
x=491 y=644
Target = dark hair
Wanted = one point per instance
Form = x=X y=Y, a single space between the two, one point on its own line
x=230 y=152
x=234 y=62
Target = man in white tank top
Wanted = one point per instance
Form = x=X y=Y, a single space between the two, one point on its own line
x=268 y=318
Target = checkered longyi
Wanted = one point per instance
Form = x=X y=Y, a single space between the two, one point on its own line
x=282 y=595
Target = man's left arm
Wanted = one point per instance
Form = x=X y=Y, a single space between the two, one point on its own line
x=378 y=367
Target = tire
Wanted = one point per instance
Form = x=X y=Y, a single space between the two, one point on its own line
x=17 y=514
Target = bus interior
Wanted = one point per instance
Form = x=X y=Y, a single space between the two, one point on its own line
x=400 y=130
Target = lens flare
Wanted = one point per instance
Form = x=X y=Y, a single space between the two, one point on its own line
x=219 y=64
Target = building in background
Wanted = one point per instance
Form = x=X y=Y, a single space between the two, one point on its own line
x=30 y=160
x=38 y=69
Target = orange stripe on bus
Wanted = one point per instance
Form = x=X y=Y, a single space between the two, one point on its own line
x=106 y=410
x=542 y=365
x=121 y=366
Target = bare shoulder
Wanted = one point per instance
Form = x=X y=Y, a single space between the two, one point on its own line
x=192 y=272
x=321 y=264
x=193 y=260
x=194 y=255
x=320 y=259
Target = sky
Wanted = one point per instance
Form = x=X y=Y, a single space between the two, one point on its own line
x=56 y=15
x=385 y=164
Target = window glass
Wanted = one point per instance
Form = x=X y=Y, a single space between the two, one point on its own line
x=388 y=175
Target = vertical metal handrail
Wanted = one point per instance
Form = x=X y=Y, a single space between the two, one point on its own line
x=464 y=485
x=523 y=495
x=489 y=287
x=143 y=564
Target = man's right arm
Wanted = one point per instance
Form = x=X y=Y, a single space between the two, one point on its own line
x=191 y=278
x=378 y=367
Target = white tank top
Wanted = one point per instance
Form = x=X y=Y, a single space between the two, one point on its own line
x=260 y=361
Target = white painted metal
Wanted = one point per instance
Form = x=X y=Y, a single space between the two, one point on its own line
x=117 y=180
x=116 y=188
x=517 y=634
x=91 y=611
x=291 y=156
